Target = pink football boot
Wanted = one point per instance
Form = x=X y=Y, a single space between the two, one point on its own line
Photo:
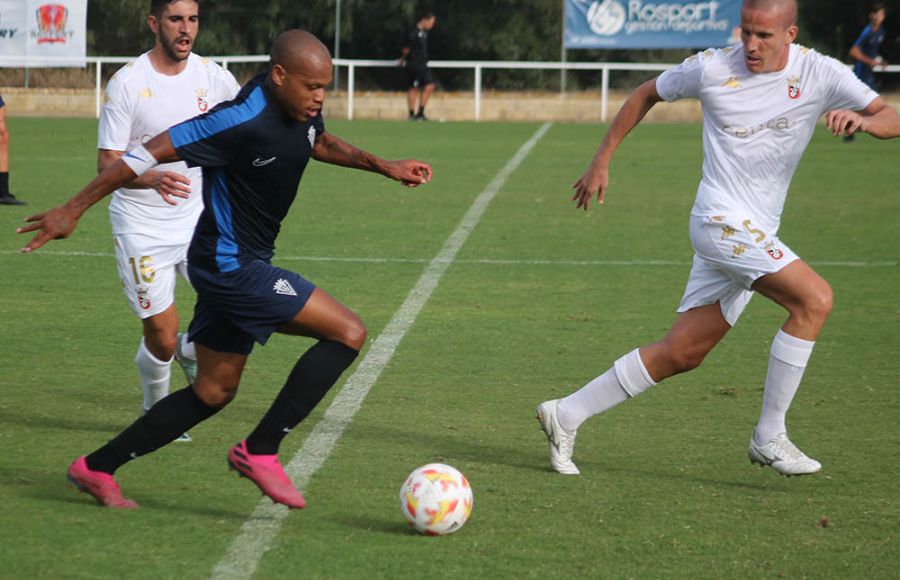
x=268 y=475
x=99 y=484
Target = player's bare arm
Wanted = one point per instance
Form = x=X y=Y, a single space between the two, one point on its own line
x=60 y=222
x=334 y=150
x=596 y=178
x=170 y=183
x=878 y=119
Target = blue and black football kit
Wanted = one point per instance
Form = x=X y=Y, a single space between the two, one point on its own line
x=253 y=157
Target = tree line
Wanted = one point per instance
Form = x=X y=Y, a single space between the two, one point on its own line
x=466 y=30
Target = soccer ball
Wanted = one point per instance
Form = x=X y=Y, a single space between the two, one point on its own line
x=436 y=499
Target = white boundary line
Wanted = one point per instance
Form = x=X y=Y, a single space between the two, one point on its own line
x=491 y=262
x=259 y=531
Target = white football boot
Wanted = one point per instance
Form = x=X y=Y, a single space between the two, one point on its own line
x=188 y=365
x=562 y=441
x=782 y=456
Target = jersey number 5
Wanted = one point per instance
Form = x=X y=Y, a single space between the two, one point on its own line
x=759 y=234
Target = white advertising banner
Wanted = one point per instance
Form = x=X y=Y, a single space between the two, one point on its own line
x=43 y=33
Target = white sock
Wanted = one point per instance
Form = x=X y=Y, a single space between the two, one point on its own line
x=187 y=347
x=601 y=394
x=787 y=361
x=628 y=375
x=154 y=375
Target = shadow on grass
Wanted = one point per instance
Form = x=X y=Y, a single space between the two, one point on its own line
x=74 y=497
x=61 y=422
x=534 y=456
x=377 y=525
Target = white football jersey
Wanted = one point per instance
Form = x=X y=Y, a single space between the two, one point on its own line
x=756 y=126
x=140 y=103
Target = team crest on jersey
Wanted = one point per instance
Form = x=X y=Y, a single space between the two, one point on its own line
x=794 y=87
x=202 y=100
x=311 y=135
x=774 y=251
x=143 y=299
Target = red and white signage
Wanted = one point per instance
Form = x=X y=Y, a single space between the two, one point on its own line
x=43 y=33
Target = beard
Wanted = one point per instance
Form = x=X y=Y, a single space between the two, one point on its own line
x=169 y=48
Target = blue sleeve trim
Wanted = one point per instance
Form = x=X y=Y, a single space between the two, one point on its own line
x=206 y=126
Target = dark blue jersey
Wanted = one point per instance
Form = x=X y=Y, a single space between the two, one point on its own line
x=253 y=157
x=868 y=42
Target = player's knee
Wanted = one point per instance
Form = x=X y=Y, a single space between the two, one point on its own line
x=685 y=360
x=678 y=354
x=354 y=335
x=821 y=302
x=161 y=345
x=215 y=395
x=4 y=137
x=816 y=304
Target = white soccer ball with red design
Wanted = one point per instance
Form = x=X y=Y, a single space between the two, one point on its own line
x=436 y=499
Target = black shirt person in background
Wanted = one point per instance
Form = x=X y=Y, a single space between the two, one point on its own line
x=415 y=60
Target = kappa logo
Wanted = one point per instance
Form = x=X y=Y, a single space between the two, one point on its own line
x=312 y=136
x=284 y=288
x=263 y=162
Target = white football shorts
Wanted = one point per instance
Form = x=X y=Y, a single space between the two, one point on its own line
x=730 y=254
x=148 y=267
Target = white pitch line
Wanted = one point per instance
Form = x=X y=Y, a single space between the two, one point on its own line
x=259 y=531
x=492 y=261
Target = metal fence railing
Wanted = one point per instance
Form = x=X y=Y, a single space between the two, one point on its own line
x=477 y=67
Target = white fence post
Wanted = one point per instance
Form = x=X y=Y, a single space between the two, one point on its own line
x=99 y=81
x=477 y=92
x=351 y=89
x=604 y=95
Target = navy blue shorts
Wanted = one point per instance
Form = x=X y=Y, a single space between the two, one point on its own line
x=236 y=309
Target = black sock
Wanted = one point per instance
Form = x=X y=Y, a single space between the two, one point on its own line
x=421 y=112
x=412 y=113
x=316 y=371
x=4 y=183
x=162 y=424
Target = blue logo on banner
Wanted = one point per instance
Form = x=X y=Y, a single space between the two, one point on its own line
x=643 y=24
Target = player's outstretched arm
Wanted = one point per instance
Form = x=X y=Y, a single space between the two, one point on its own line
x=167 y=183
x=596 y=178
x=334 y=150
x=878 y=119
x=60 y=222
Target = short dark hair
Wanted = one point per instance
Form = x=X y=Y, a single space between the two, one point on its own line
x=426 y=14
x=157 y=6
x=875 y=7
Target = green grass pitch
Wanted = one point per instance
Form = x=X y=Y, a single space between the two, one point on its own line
x=540 y=299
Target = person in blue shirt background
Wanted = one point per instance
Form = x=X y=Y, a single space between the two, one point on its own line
x=253 y=151
x=864 y=51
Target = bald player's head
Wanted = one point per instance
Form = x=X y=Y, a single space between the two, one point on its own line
x=300 y=69
x=296 y=48
x=786 y=9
